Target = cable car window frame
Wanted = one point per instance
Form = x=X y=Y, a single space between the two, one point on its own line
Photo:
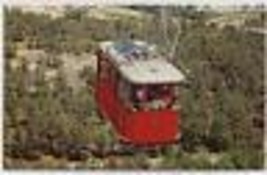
x=105 y=68
x=127 y=95
x=152 y=102
x=124 y=93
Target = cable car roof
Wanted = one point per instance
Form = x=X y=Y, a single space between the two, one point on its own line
x=139 y=63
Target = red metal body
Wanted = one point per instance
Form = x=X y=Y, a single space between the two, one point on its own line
x=135 y=127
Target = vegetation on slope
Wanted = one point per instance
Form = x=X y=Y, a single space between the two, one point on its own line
x=222 y=111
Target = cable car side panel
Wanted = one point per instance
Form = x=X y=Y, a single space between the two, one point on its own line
x=153 y=127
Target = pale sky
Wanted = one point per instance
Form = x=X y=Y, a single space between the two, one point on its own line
x=118 y=2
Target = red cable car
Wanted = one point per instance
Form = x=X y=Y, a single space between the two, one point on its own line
x=137 y=91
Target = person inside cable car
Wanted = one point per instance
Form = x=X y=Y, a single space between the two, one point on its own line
x=167 y=95
x=152 y=97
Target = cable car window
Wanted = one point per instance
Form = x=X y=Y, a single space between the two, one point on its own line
x=148 y=97
x=104 y=69
x=124 y=91
x=154 y=97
